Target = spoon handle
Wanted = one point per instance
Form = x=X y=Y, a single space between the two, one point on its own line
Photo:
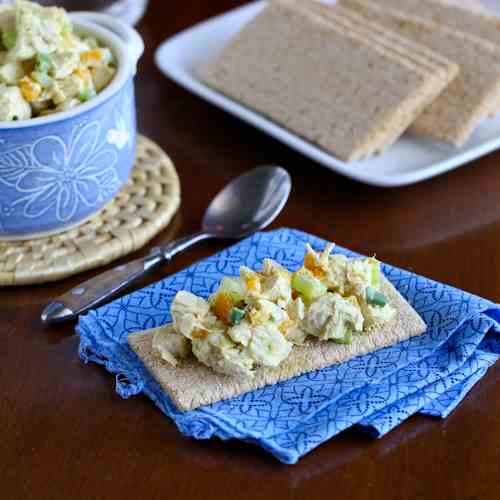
x=102 y=287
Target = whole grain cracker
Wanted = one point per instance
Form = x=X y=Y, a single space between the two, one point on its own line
x=470 y=17
x=471 y=96
x=322 y=81
x=453 y=14
x=440 y=66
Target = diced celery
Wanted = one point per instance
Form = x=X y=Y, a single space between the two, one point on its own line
x=86 y=95
x=9 y=39
x=107 y=55
x=236 y=315
x=375 y=298
x=42 y=78
x=42 y=63
x=346 y=339
x=338 y=331
x=232 y=287
x=309 y=288
x=375 y=273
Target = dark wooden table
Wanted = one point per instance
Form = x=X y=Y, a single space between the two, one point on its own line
x=65 y=433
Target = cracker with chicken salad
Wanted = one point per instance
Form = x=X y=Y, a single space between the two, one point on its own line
x=268 y=326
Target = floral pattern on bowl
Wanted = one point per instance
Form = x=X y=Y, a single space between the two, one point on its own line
x=53 y=178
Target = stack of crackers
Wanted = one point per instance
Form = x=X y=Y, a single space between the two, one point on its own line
x=353 y=77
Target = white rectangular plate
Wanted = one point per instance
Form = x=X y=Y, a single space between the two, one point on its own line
x=410 y=160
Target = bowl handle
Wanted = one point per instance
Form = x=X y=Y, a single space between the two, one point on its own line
x=128 y=35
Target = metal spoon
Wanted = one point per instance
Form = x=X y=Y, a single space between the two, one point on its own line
x=249 y=203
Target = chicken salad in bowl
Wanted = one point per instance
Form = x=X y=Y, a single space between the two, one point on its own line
x=45 y=65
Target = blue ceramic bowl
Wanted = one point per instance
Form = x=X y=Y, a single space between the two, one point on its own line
x=57 y=171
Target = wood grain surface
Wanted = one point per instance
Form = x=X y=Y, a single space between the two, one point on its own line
x=65 y=433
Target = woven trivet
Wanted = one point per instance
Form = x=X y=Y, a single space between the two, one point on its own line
x=138 y=213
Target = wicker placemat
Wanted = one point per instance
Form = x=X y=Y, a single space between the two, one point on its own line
x=138 y=213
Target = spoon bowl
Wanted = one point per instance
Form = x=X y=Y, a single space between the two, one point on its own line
x=247 y=204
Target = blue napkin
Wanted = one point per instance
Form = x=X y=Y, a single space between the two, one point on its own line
x=429 y=374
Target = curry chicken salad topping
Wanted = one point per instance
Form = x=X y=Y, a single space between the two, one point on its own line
x=256 y=319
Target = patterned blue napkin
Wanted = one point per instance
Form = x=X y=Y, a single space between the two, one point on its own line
x=429 y=374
